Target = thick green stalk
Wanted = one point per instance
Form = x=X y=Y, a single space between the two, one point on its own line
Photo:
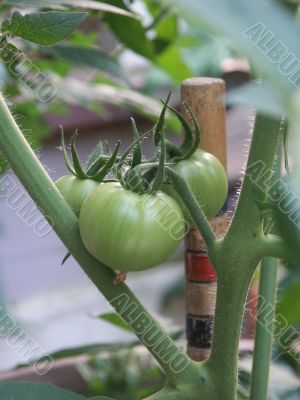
x=264 y=329
x=236 y=257
x=29 y=170
x=266 y=300
x=232 y=291
x=247 y=217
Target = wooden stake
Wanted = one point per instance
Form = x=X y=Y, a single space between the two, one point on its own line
x=205 y=96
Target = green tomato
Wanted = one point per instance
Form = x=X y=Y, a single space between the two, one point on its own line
x=75 y=190
x=129 y=231
x=207 y=179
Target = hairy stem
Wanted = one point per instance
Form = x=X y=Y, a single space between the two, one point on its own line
x=247 y=217
x=237 y=256
x=267 y=299
x=231 y=297
x=29 y=170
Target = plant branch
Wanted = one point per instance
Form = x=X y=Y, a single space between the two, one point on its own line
x=43 y=191
x=275 y=246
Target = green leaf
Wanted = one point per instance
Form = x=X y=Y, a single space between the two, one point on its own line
x=45 y=28
x=114 y=319
x=91 y=349
x=165 y=24
x=129 y=32
x=171 y=61
x=167 y=28
x=89 y=56
x=35 y=391
x=101 y=398
x=289 y=305
x=86 y=4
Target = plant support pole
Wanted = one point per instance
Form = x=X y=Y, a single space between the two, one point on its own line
x=205 y=96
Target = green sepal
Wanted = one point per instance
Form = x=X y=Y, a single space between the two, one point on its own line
x=137 y=150
x=121 y=162
x=160 y=123
x=172 y=150
x=65 y=153
x=93 y=157
x=75 y=158
x=99 y=176
x=66 y=257
x=188 y=134
x=125 y=158
x=134 y=180
x=160 y=173
x=148 y=177
x=191 y=141
x=285 y=147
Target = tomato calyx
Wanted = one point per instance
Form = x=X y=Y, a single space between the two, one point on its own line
x=98 y=165
x=148 y=177
x=144 y=176
x=191 y=139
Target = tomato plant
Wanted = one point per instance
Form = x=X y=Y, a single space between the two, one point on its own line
x=132 y=225
x=235 y=257
x=207 y=179
x=75 y=190
x=76 y=187
x=202 y=171
x=130 y=231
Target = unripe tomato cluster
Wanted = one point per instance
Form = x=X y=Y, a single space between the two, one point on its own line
x=135 y=228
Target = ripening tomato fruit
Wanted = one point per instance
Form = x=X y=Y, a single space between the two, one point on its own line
x=75 y=190
x=207 y=179
x=129 y=231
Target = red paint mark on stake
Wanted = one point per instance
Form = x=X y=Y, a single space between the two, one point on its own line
x=198 y=267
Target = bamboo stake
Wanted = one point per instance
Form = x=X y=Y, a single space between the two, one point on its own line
x=205 y=96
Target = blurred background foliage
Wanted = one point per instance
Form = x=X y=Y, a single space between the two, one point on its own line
x=112 y=59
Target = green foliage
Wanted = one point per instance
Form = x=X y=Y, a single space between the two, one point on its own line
x=116 y=320
x=123 y=375
x=133 y=37
x=234 y=26
x=89 y=56
x=45 y=28
x=86 y=4
x=36 y=391
x=289 y=305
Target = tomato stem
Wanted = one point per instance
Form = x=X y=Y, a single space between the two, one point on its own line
x=267 y=298
x=184 y=191
x=64 y=222
x=236 y=258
